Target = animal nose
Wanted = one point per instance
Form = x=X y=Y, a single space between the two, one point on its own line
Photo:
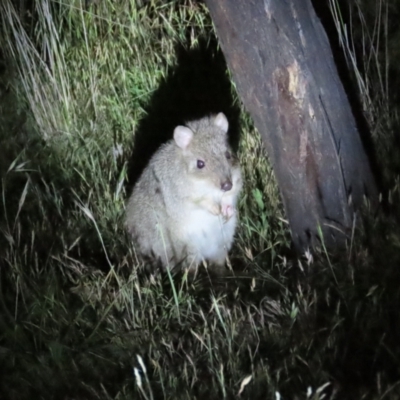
x=226 y=186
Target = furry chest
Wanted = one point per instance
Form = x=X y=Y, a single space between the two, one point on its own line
x=208 y=234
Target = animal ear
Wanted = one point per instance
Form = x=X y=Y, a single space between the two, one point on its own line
x=183 y=136
x=221 y=122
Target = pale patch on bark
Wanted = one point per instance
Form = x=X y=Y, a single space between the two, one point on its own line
x=296 y=85
x=303 y=145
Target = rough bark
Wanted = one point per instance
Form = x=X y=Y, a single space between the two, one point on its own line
x=282 y=64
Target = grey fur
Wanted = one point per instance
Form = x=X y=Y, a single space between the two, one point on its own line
x=178 y=212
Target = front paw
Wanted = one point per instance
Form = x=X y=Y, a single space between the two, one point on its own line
x=208 y=205
x=227 y=211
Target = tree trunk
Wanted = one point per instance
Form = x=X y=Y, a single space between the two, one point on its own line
x=284 y=70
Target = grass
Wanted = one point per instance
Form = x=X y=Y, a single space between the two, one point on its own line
x=82 y=107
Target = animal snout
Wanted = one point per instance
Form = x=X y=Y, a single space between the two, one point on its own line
x=226 y=186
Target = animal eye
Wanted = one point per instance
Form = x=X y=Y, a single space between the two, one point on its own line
x=228 y=155
x=200 y=164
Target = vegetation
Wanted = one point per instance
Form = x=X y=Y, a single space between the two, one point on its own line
x=88 y=91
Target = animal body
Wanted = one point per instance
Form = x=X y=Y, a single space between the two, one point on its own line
x=183 y=208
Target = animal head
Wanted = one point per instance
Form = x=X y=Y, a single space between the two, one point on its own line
x=205 y=150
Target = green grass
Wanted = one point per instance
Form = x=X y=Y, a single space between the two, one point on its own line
x=87 y=93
